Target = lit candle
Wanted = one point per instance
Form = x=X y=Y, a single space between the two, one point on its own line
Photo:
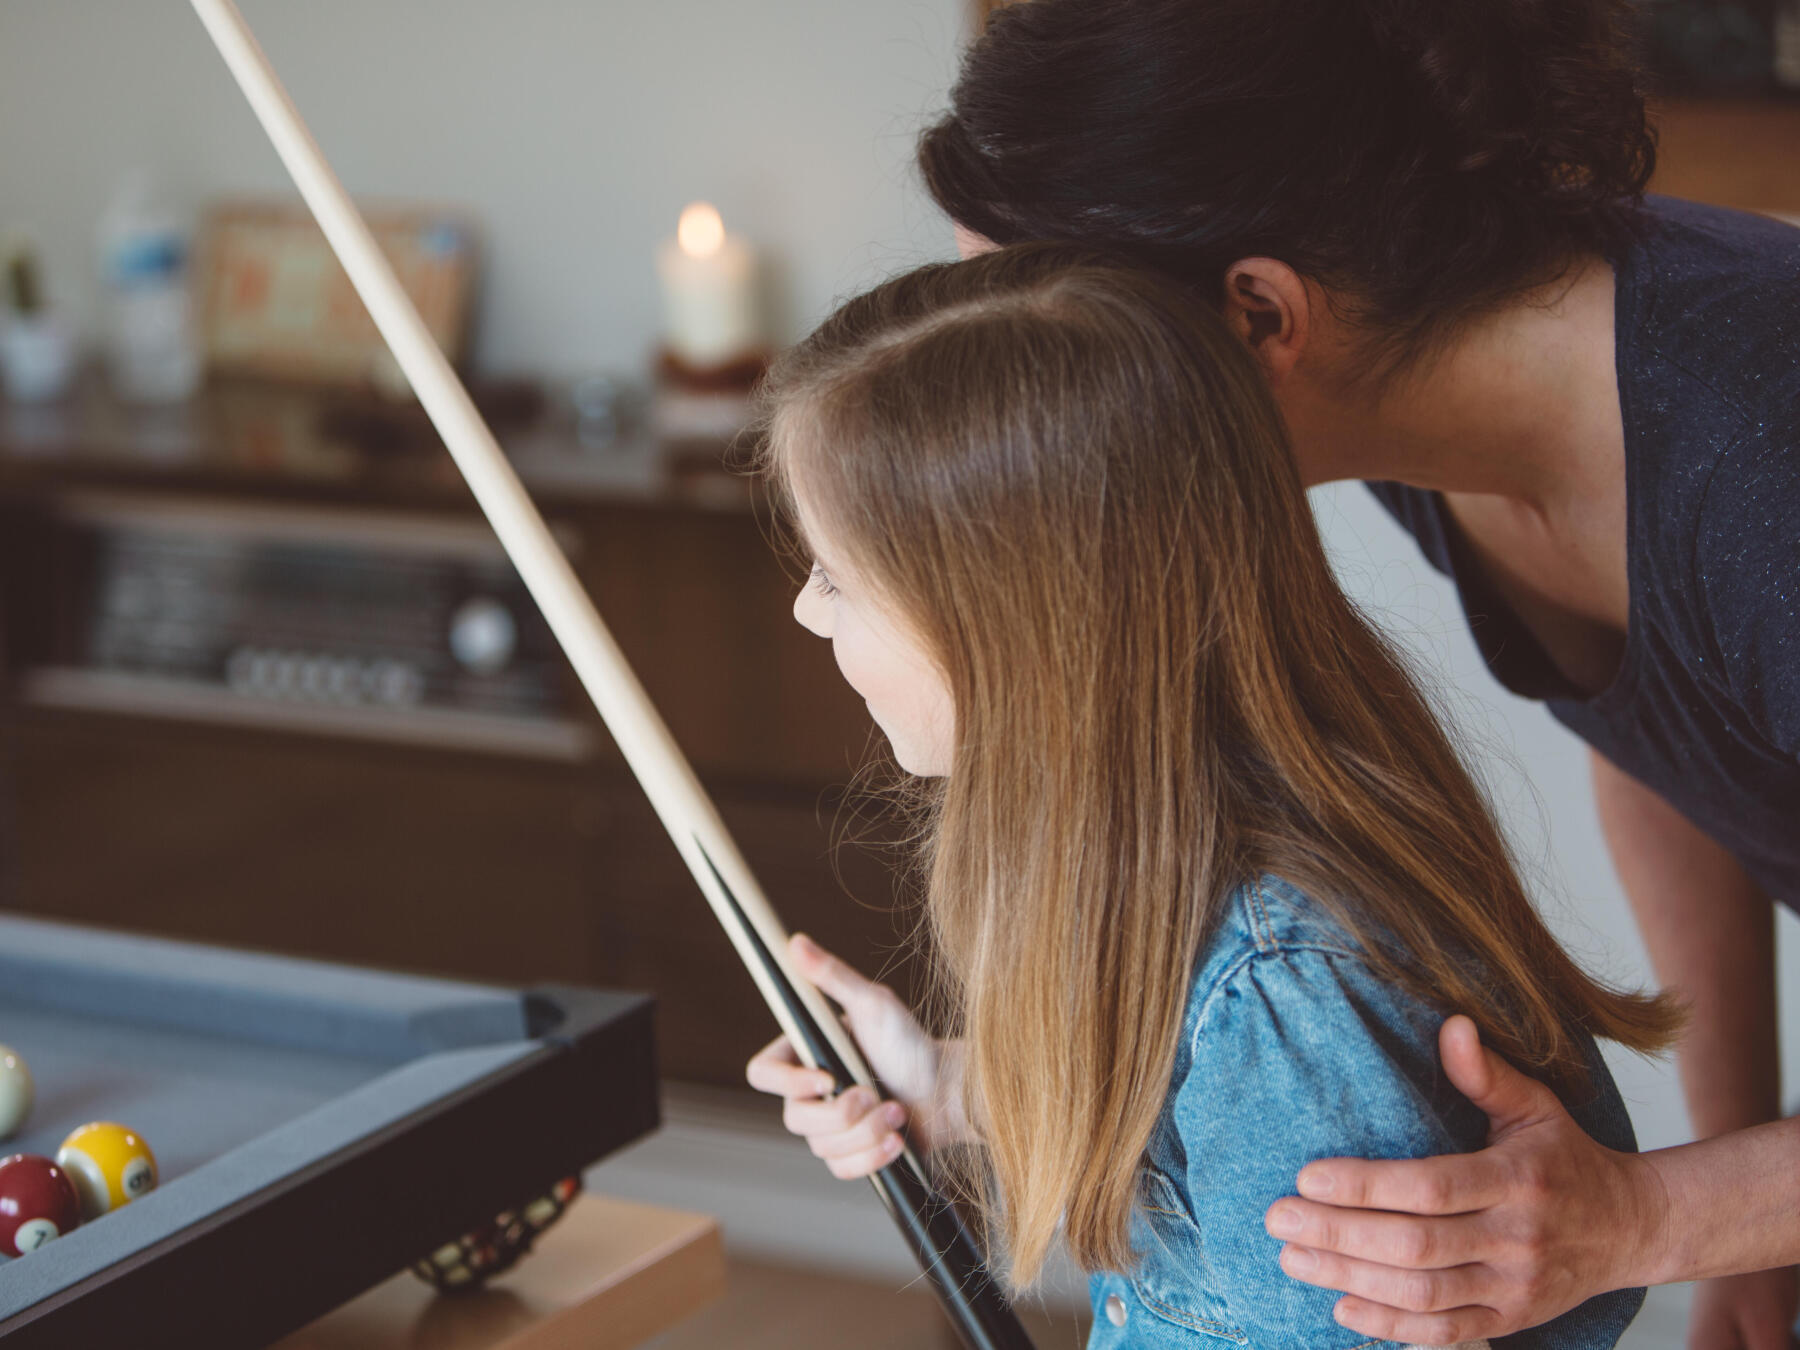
x=709 y=292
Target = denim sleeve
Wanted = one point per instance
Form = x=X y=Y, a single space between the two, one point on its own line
x=1299 y=1055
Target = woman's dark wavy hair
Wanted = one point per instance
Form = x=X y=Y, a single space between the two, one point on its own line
x=1423 y=160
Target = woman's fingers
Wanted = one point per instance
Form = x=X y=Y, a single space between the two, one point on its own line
x=1452 y=1184
x=1509 y=1099
x=1421 y=1291
x=1390 y=1239
x=1552 y=1216
x=1377 y=1320
x=775 y=1069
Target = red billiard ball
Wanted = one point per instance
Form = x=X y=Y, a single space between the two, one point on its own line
x=37 y=1203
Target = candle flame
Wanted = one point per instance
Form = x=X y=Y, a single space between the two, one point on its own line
x=701 y=232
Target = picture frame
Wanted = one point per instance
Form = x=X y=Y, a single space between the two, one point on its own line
x=275 y=302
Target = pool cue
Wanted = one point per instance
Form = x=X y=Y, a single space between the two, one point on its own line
x=948 y=1253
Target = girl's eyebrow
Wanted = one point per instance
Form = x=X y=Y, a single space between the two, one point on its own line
x=809 y=547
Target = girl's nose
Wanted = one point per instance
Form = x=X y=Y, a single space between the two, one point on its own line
x=812 y=611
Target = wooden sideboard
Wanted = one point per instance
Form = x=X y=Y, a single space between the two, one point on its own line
x=507 y=863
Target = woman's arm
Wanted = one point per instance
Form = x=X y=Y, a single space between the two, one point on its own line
x=1710 y=931
x=1513 y=1232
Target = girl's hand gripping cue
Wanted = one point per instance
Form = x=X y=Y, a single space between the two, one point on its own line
x=854 y=1132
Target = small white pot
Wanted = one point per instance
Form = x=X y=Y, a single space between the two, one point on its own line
x=37 y=357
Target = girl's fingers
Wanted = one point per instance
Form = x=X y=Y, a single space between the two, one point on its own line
x=871 y=1132
x=844 y=984
x=834 y=1116
x=867 y=1162
x=775 y=1069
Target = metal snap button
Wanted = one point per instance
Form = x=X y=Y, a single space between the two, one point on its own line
x=1115 y=1310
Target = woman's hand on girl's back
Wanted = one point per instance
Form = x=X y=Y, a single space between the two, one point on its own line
x=853 y=1132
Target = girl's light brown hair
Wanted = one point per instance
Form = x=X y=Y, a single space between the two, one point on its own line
x=1068 y=478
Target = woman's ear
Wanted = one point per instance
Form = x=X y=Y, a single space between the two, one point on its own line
x=1269 y=307
x=968 y=243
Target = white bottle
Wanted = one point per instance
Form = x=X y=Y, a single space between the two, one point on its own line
x=149 y=313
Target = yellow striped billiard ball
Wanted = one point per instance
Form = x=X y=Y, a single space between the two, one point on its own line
x=110 y=1166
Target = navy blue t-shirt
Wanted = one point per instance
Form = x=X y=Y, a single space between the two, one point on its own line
x=1705 y=708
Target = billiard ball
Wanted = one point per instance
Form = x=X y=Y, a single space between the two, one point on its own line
x=497 y=1246
x=110 y=1166
x=37 y=1203
x=16 y=1092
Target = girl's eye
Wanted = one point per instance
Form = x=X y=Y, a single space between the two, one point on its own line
x=822 y=582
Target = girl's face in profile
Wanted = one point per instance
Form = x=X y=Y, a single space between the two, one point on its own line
x=884 y=662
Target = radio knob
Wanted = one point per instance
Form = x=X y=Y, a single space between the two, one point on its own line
x=340 y=680
x=398 y=684
x=284 y=674
x=240 y=666
x=311 y=675
x=483 y=635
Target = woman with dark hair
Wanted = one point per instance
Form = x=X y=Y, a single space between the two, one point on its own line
x=1427 y=223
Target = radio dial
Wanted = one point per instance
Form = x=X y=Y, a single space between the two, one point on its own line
x=397 y=684
x=483 y=635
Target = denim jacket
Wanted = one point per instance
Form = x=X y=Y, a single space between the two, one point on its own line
x=1293 y=1049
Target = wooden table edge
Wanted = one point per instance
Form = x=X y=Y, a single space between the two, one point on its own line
x=652 y=1267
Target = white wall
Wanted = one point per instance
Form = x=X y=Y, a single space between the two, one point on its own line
x=575 y=130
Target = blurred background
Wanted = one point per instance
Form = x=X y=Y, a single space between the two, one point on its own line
x=269 y=681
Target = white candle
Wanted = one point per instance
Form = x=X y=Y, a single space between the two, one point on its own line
x=709 y=291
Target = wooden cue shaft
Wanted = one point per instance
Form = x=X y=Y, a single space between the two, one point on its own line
x=667 y=778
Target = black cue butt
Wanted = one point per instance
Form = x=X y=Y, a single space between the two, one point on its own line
x=945 y=1249
x=951 y=1259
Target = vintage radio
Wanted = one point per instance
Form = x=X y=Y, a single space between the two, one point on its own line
x=391 y=625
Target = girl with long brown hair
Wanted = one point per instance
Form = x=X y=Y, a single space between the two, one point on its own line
x=1203 y=877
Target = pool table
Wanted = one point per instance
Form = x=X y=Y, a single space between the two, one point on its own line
x=317 y=1127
